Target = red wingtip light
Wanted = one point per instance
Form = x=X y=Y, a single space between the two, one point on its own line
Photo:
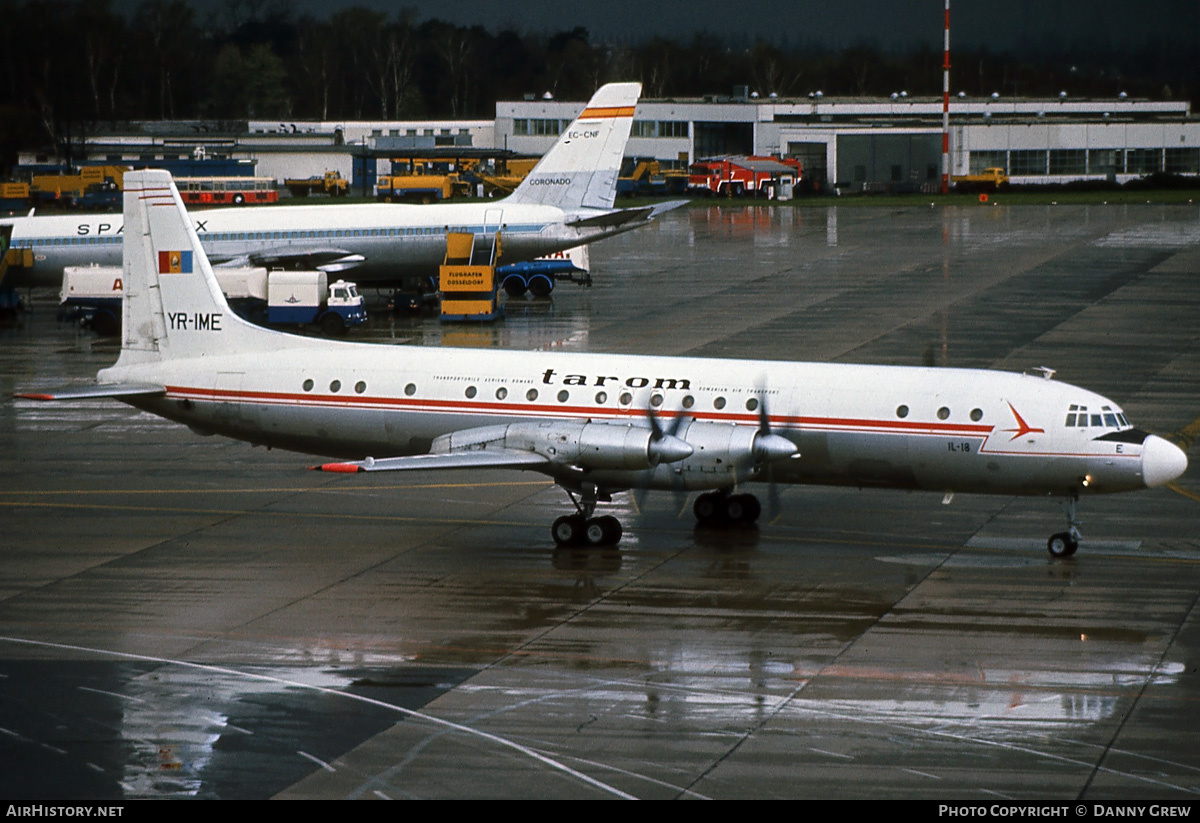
x=344 y=468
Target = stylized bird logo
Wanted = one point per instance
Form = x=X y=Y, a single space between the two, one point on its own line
x=1022 y=426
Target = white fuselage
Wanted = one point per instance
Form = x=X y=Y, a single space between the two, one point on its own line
x=397 y=241
x=902 y=427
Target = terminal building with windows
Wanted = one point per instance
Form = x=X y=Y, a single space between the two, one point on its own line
x=865 y=144
x=851 y=144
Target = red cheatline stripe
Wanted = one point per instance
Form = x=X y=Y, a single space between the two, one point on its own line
x=519 y=408
x=608 y=111
x=824 y=424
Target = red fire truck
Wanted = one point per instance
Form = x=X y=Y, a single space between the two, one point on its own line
x=737 y=175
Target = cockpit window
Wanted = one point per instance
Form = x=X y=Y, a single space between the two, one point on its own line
x=1079 y=416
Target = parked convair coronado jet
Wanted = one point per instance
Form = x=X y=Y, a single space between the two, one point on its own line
x=600 y=423
x=565 y=201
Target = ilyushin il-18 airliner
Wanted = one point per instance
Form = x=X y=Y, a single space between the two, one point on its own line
x=599 y=424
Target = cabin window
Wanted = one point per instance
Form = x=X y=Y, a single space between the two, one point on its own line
x=719 y=403
x=976 y=414
x=626 y=398
x=471 y=391
x=943 y=413
x=360 y=387
x=308 y=384
x=410 y=389
x=563 y=396
x=501 y=393
x=335 y=386
x=689 y=401
x=751 y=404
x=656 y=400
x=902 y=411
x=601 y=398
x=531 y=395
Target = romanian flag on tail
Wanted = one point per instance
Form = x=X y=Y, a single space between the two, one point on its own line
x=174 y=262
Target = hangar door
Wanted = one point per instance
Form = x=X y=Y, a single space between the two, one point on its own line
x=814 y=169
x=888 y=162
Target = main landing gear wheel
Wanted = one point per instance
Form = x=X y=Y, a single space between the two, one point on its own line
x=724 y=509
x=576 y=530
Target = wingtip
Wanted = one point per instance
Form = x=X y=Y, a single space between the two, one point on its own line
x=342 y=468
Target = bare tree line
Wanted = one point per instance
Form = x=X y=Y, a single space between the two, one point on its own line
x=71 y=66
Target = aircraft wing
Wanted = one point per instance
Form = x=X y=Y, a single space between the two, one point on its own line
x=488 y=458
x=326 y=259
x=620 y=217
x=95 y=390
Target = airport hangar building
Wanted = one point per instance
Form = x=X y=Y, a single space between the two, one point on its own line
x=859 y=144
x=853 y=144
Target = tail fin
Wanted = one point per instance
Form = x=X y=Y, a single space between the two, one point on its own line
x=581 y=170
x=172 y=304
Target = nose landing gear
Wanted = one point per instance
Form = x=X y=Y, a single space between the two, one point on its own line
x=1065 y=544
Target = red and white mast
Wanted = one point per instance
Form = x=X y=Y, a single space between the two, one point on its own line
x=946 y=104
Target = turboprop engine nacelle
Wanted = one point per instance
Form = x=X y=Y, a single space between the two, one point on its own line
x=722 y=455
x=588 y=445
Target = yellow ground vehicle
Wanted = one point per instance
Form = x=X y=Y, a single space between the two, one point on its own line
x=332 y=184
x=506 y=176
x=421 y=185
x=989 y=179
x=58 y=186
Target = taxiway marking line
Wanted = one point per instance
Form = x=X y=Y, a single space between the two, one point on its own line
x=501 y=741
x=1186 y=436
x=1178 y=489
x=275 y=490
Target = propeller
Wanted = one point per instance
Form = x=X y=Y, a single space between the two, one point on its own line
x=767 y=450
x=664 y=446
x=665 y=441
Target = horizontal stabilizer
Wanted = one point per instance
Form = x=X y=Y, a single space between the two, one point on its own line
x=663 y=208
x=612 y=218
x=496 y=459
x=620 y=217
x=95 y=390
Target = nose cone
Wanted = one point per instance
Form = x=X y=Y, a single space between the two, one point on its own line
x=1162 y=461
x=668 y=449
x=771 y=447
